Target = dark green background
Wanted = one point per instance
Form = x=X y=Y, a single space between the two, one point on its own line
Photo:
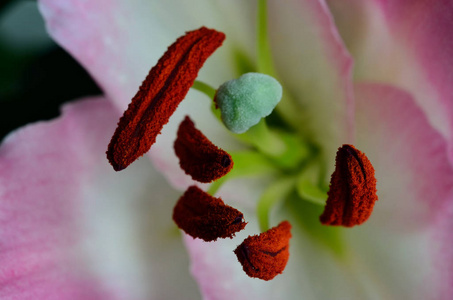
x=36 y=76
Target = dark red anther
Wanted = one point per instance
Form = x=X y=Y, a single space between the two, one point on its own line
x=265 y=256
x=205 y=217
x=160 y=94
x=352 y=191
x=198 y=157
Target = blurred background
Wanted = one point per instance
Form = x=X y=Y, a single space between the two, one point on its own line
x=36 y=75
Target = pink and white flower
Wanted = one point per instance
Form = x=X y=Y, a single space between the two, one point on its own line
x=376 y=73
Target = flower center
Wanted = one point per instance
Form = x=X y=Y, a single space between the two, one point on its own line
x=246 y=107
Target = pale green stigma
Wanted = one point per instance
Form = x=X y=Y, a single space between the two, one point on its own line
x=244 y=101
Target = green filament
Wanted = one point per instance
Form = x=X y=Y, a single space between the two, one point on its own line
x=264 y=54
x=204 y=88
x=272 y=196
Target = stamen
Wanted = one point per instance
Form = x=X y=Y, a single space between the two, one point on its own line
x=198 y=157
x=265 y=256
x=159 y=95
x=208 y=218
x=352 y=191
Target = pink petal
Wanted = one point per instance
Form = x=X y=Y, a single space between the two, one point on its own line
x=405 y=43
x=409 y=156
x=119 y=41
x=42 y=171
x=72 y=228
x=415 y=188
x=316 y=69
x=444 y=253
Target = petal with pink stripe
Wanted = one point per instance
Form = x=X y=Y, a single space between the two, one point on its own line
x=71 y=228
x=405 y=43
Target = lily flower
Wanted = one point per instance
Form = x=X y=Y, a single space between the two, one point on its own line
x=73 y=228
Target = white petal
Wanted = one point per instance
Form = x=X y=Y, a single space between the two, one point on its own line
x=119 y=41
x=315 y=66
